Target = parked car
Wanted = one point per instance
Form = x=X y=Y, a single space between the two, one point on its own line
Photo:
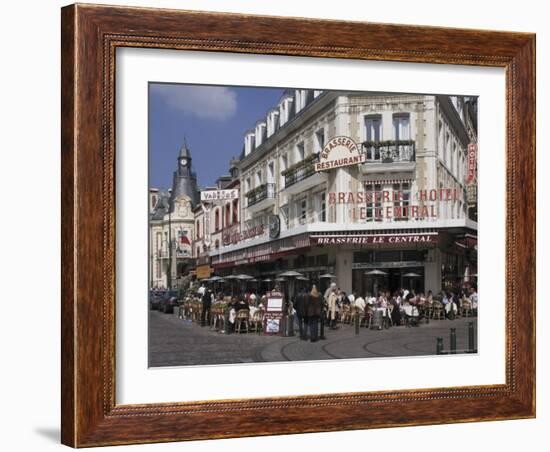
x=168 y=301
x=154 y=298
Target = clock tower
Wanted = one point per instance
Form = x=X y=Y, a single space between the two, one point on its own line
x=184 y=179
x=184 y=161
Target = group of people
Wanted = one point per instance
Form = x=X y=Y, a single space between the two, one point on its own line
x=312 y=309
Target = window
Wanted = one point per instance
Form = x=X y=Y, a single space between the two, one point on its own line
x=373 y=127
x=217 y=244
x=301 y=210
x=198 y=230
x=401 y=127
x=284 y=214
x=217 y=220
x=319 y=140
x=321 y=206
x=300 y=152
x=373 y=134
x=271 y=172
x=198 y=251
x=235 y=211
x=159 y=241
x=401 y=201
x=284 y=166
x=373 y=196
x=258 y=178
x=247 y=185
x=227 y=215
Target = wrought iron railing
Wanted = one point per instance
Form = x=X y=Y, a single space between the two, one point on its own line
x=300 y=171
x=264 y=191
x=389 y=151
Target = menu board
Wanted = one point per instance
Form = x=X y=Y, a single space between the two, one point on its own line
x=274 y=313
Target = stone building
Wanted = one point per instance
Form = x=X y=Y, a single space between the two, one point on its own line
x=399 y=210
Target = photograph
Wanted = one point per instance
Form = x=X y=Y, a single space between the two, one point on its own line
x=305 y=224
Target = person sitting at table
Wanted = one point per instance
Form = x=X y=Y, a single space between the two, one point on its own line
x=411 y=313
x=360 y=303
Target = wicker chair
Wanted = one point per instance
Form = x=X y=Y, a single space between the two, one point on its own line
x=438 y=310
x=466 y=308
x=257 y=321
x=242 y=319
x=346 y=314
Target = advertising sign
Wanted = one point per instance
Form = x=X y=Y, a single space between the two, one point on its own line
x=472 y=163
x=219 y=195
x=338 y=152
x=274 y=313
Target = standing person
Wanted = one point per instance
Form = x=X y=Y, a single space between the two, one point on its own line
x=206 y=305
x=313 y=311
x=351 y=298
x=301 y=313
x=332 y=303
x=201 y=290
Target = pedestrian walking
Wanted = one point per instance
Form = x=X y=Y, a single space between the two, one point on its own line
x=313 y=304
x=301 y=313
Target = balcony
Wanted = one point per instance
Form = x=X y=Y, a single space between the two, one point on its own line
x=302 y=175
x=388 y=156
x=261 y=197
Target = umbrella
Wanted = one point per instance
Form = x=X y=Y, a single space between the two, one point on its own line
x=302 y=278
x=215 y=278
x=244 y=277
x=267 y=280
x=280 y=279
x=231 y=278
x=376 y=273
x=412 y=275
x=327 y=275
x=290 y=274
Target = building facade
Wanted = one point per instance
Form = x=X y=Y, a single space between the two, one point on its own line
x=171 y=226
x=391 y=213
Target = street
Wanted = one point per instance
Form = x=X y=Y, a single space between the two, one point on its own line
x=176 y=342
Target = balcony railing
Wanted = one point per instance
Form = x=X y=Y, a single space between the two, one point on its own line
x=300 y=171
x=389 y=151
x=264 y=191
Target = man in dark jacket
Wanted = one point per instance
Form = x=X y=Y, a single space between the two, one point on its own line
x=313 y=304
x=300 y=305
x=206 y=304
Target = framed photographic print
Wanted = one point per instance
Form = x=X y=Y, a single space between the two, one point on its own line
x=326 y=225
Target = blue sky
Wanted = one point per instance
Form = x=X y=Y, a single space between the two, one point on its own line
x=213 y=119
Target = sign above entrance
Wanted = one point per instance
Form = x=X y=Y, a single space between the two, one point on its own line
x=338 y=152
x=393 y=239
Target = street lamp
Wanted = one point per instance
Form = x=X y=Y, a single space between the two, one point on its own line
x=166 y=204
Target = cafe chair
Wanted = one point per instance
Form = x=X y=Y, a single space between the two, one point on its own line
x=241 y=320
x=438 y=311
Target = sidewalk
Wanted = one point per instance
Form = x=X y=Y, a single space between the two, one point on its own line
x=175 y=342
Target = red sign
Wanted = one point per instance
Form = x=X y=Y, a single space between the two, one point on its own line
x=235 y=236
x=472 y=163
x=373 y=239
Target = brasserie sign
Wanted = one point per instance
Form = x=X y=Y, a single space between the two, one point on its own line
x=338 y=152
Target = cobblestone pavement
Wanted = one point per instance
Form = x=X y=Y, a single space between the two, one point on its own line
x=176 y=342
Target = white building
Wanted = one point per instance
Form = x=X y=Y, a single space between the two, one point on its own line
x=401 y=210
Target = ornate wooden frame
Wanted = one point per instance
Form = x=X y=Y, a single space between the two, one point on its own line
x=90 y=35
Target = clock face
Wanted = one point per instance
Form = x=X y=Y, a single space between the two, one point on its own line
x=183 y=162
x=274 y=226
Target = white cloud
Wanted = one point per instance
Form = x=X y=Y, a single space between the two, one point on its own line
x=205 y=102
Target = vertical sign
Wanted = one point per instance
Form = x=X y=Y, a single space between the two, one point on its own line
x=206 y=210
x=472 y=163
